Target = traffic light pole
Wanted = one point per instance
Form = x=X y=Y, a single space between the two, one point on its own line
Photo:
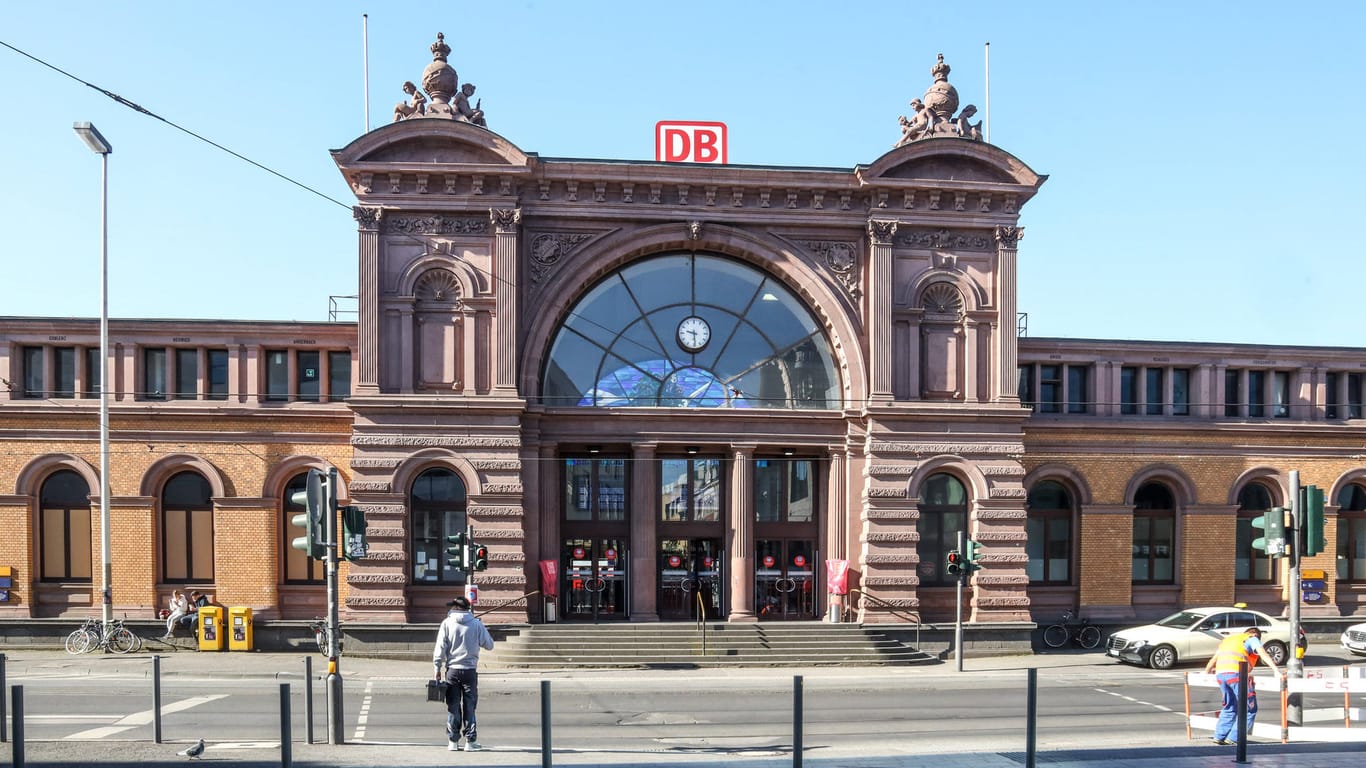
x=336 y=720
x=1293 y=664
x=958 y=608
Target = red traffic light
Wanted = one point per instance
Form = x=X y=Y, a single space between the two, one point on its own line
x=955 y=558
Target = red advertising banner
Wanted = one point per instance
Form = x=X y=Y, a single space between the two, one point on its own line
x=837 y=577
x=550 y=578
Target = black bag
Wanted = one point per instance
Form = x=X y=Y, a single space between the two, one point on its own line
x=436 y=690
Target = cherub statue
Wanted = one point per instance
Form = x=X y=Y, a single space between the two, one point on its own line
x=464 y=112
x=917 y=127
x=416 y=107
x=964 y=128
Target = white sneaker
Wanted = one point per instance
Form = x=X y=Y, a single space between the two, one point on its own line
x=473 y=746
x=452 y=746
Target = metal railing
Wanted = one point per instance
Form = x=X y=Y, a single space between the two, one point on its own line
x=702 y=619
x=899 y=612
x=506 y=603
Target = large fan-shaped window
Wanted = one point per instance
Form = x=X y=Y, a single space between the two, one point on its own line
x=690 y=331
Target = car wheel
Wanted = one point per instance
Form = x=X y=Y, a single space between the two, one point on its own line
x=1275 y=650
x=1162 y=657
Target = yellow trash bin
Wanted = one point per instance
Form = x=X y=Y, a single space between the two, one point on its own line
x=239 y=629
x=210 y=628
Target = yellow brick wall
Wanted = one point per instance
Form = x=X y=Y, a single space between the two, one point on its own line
x=1106 y=553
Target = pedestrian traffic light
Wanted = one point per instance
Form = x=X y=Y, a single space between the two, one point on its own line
x=480 y=560
x=313 y=499
x=955 y=566
x=972 y=554
x=457 y=553
x=1311 y=517
x=357 y=546
x=1273 y=524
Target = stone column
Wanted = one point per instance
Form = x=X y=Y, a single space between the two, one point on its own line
x=740 y=533
x=879 y=324
x=644 y=517
x=367 y=342
x=1007 y=358
x=507 y=222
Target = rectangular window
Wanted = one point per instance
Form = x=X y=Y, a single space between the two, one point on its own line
x=1353 y=395
x=1233 y=393
x=94 y=372
x=1155 y=396
x=595 y=489
x=310 y=377
x=188 y=539
x=1027 y=386
x=66 y=544
x=218 y=375
x=1280 y=394
x=1331 y=401
x=1128 y=391
x=277 y=374
x=1256 y=394
x=1077 y=391
x=1050 y=389
x=33 y=372
x=186 y=374
x=1181 y=391
x=154 y=373
x=338 y=376
x=64 y=372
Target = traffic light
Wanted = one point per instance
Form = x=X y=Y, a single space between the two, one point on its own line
x=1311 y=516
x=480 y=557
x=314 y=500
x=1273 y=524
x=971 y=556
x=457 y=553
x=356 y=546
x=955 y=559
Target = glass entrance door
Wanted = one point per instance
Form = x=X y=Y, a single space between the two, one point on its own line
x=691 y=579
x=595 y=579
x=785 y=579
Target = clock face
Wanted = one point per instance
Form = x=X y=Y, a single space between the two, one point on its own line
x=693 y=333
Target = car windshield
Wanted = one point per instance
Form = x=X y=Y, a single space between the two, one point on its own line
x=1182 y=620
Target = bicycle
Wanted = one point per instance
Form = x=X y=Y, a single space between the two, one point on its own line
x=320 y=634
x=1081 y=631
x=94 y=634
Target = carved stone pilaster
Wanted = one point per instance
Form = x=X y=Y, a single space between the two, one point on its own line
x=881 y=232
x=367 y=331
x=506 y=220
x=880 y=235
x=1008 y=383
x=1008 y=237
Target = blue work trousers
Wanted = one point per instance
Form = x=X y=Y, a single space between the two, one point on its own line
x=1228 y=714
x=461 y=698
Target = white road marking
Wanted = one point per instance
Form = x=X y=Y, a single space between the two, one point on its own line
x=1158 y=707
x=142 y=718
x=364 y=716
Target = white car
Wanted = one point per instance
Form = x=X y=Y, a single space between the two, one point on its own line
x=1354 y=639
x=1195 y=633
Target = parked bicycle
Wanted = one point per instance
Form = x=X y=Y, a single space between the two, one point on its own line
x=1078 y=630
x=320 y=634
x=94 y=635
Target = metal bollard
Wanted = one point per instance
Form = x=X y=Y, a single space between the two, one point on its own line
x=1031 y=715
x=796 y=721
x=3 y=724
x=156 y=699
x=545 y=724
x=1241 y=724
x=286 y=733
x=308 y=698
x=17 y=749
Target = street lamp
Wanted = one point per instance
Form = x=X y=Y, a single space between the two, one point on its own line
x=92 y=138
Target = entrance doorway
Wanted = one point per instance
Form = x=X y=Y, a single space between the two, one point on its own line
x=595 y=583
x=785 y=579
x=691 y=579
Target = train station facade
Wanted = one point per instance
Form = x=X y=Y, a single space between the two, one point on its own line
x=658 y=390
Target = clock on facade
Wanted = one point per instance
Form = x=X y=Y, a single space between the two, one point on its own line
x=693 y=333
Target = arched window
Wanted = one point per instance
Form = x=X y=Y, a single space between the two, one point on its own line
x=1251 y=565
x=1049 y=531
x=1352 y=533
x=690 y=331
x=1154 y=535
x=64 y=527
x=943 y=514
x=187 y=529
x=299 y=567
x=437 y=502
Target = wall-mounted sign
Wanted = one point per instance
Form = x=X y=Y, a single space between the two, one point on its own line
x=611 y=554
x=768 y=561
x=707 y=561
x=675 y=561
x=579 y=553
x=799 y=561
x=690 y=141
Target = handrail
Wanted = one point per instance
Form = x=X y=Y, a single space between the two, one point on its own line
x=506 y=603
x=702 y=619
x=894 y=609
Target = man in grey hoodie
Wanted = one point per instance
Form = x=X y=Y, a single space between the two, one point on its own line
x=457 y=652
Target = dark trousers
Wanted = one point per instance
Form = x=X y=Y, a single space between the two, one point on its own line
x=461 y=698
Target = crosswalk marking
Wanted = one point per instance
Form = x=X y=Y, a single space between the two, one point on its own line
x=144 y=717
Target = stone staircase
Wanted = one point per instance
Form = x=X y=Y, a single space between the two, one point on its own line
x=684 y=645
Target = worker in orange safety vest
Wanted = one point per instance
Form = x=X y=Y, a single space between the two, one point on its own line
x=1237 y=647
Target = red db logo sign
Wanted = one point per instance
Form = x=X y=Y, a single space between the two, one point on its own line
x=686 y=141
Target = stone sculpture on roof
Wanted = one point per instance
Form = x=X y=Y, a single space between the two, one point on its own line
x=444 y=96
x=934 y=115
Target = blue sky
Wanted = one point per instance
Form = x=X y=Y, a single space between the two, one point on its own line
x=1205 y=176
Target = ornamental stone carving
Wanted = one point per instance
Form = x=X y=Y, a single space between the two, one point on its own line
x=942 y=299
x=375 y=487
x=934 y=115
x=933 y=449
x=946 y=239
x=383 y=510
x=1009 y=237
x=368 y=218
x=548 y=249
x=355 y=601
x=419 y=441
x=886 y=493
x=375 y=463
x=502 y=488
x=438 y=286
x=892 y=558
x=1001 y=470
x=444 y=97
x=376 y=578
x=506 y=220
x=841 y=259
x=881 y=232
x=1007 y=493
x=375 y=532
x=386 y=555
x=491 y=465
x=482 y=512
x=435 y=224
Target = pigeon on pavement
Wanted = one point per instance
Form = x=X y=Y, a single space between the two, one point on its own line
x=193 y=752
